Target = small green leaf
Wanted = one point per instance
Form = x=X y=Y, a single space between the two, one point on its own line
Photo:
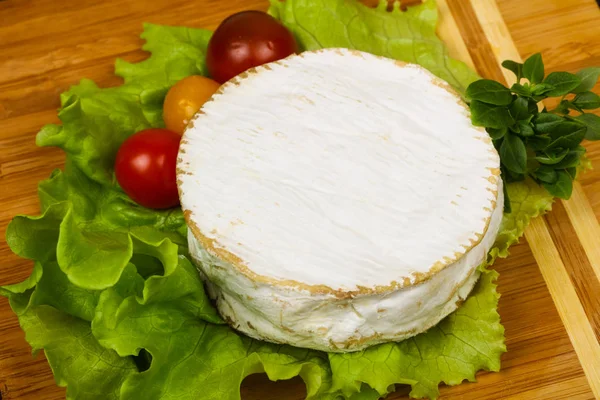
x=562 y=108
x=541 y=89
x=589 y=77
x=563 y=83
x=78 y=361
x=552 y=157
x=513 y=153
x=496 y=134
x=546 y=122
x=507 y=206
x=490 y=116
x=572 y=172
x=572 y=159
x=538 y=142
x=521 y=90
x=515 y=67
x=532 y=107
x=580 y=150
x=566 y=127
x=511 y=176
x=570 y=105
x=525 y=129
x=490 y=92
x=519 y=109
x=569 y=140
x=546 y=174
x=533 y=68
x=562 y=188
x=587 y=100
x=592 y=123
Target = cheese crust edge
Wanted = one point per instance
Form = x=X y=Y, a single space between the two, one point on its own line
x=218 y=250
x=326 y=322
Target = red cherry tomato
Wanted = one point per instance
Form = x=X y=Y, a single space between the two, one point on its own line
x=245 y=40
x=145 y=168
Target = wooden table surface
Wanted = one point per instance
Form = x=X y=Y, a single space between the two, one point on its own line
x=550 y=284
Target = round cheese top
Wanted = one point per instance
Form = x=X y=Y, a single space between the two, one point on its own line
x=337 y=171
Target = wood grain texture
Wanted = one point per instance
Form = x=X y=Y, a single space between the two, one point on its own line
x=580 y=269
x=566 y=299
x=41 y=58
x=586 y=226
x=569 y=273
x=476 y=42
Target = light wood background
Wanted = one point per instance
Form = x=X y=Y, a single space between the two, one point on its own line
x=550 y=307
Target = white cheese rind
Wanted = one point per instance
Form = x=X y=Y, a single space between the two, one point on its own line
x=337 y=199
x=325 y=322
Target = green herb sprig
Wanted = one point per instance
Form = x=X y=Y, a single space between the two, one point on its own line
x=546 y=144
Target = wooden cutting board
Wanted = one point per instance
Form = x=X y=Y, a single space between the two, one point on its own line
x=550 y=284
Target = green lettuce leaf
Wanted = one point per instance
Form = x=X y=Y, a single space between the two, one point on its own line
x=407 y=36
x=468 y=340
x=528 y=200
x=96 y=121
x=176 y=52
x=75 y=261
x=106 y=206
x=190 y=356
x=113 y=298
x=78 y=361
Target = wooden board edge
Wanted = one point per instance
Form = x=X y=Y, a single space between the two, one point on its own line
x=566 y=300
x=537 y=234
x=448 y=30
x=586 y=225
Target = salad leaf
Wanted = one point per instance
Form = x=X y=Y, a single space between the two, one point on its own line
x=514 y=153
x=587 y=101
x=113 y=298
x=563 y=187
x=592 y=123
x=546 y=174
x=533 y=68
x=521 y=90
x=490 y=92
x=96 y=121
x=175 y=278
x=547 y=122
x=190 y=356
x=528 y=200
x=519 y=109
x=407 y=36
x=176 y=52
x=490 y=116
x=525 y=129
x=106 y=206
x=589 y=77
x=467 y=341
x=542 y=145
x=563 y=83
x=111 y=114
x=515 y=67
x=77 y=360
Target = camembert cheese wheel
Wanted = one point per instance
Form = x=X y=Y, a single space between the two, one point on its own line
x=336 y=200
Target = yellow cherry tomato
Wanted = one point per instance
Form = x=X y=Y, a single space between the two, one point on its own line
x=184 y=100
